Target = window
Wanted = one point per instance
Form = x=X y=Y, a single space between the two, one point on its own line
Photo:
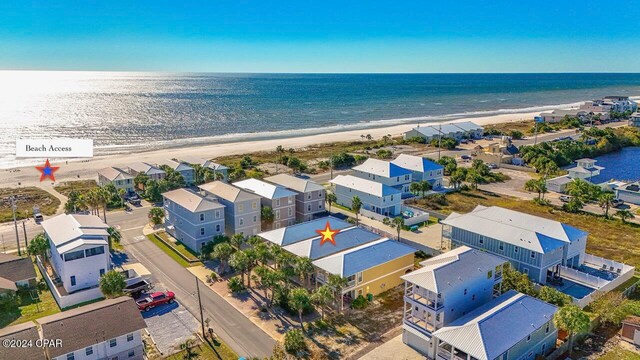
x=391 y=197
x=254 y=205
x=319 y=193
x=241 y=222
x=515 y=249
x=74 y=255
x=473 y=297
x=113 y=342
x=277 y=202
x=529 y=337
x=101 y=272
x=201 y=217
x=88 y=351
x=397 y=178
x=501 y=247
x=309 y=196
x=290 y=200
x=132 y=353
x=73 y=280
x=201 y=231
x=465 y=291
x=71 y=356
x=359 y=277
x=218 y=228
x=129 y=337
x=290 y=212
x=308 y=207
x=320 y=205
x=255 y=218
x=240 y=207
x=277 y=214
x=217 y=214
x=94 y=251
x=481 y=240
x=525 y=271
x=533 y=255
x=546 y=330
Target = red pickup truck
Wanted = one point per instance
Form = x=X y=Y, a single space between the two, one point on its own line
x=155 y=299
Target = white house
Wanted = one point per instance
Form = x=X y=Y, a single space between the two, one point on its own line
x=634 y=120
x=454 y=130
x=108 y=329
x=79 y=249
x=192 y=218
x=629 y=193
x=446 y=288
x=421 y=169
x=470 y=129
x=376 y=198
x=386 y=173
x=585 y=169
x=116 y=176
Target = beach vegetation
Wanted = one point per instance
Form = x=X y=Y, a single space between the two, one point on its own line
x=444 y=143
x=624 y=215
x=384 y=154
x=236 y=285
x=25 y=199
x=537 y=185
x=294 y=342
x=156 y=215
x=449 y=164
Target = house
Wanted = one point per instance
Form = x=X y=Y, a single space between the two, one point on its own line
x=192 y=218
x=116 y=176
x=470 y=129
x=108 y=329
x=281 y=200
x=377 y=198
x=421 y=169
x=386 y=173
x=447 y=287
x=15 y=272
x=242 y=208
x=211 y=165
x=428 y=133
x=187 y=172
x=370 y=262
x=370 y=269
x=558 y=115
x=634 y=119
x=502 y=152
x=152 y=171
x=559 y=183
x=513 y=326
x=25 y=333
x=548 y=251
x=310 y=196
x=629 y=193
x=79 y=254
x=631 y=330
x=611 y=103
x=585 y=169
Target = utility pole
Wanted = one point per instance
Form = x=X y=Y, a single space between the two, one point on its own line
x=24 y=228
x=14 y=207
x=204 y=335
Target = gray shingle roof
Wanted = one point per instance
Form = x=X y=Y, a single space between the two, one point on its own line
x=191 y=201
x=16 y=268
x=26 y=332
x=92 y=324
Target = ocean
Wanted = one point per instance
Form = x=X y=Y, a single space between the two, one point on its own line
x=126 y=112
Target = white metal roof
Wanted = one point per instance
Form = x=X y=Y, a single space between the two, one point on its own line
x=114 y=173
x=67 y=231
x=467 y=125
x=493 y=328
x=527 y=231
x=453 y=267
x=381 y=168
x=191 y=201
x=294 y=183
x=415 y=163
x=264 y=189
x=365 y=186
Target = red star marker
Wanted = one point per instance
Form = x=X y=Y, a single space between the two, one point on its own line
x=47 y=171
x=327 y=234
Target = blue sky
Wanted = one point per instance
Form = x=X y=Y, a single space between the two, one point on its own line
x=321 y=36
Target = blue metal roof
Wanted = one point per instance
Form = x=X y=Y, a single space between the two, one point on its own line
x=344 y=240
x=374 y=255
x=306 y=230
x=573 y=233
x=429 y=165
x=548 y=243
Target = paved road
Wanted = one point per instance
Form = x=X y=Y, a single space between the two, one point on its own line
x=234 y=328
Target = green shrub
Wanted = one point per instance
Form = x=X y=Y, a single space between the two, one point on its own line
x=294 y=342
x=235 y=285
x=360 y=302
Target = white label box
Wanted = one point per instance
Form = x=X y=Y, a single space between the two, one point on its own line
x=54 y=148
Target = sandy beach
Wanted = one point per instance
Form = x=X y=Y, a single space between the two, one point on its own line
x=74 y=170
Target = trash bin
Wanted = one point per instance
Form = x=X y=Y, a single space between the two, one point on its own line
x=370 y=296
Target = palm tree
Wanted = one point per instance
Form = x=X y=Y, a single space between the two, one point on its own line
x=386 y=138
x=415 y=188
x=473 y=177
x=624 y=215
x=237 y=240
x=187 y=347
x=39 y=246
x=263 y=253
x=321 y=298
x=336 y=283
x=572 y=320
x=606 y=201
x=279 y=150
x=112 y=283
x=457 y=177
x=299 y=300
x=369 y=137
x=222 y=252
x=356 y=205
x=122 y=193
x=331 y=198
x=536 y=185
x=266 y=214
x=240 y=262
x=103 y=196
x=304 y=268
x=398 y=223
x=425 y=186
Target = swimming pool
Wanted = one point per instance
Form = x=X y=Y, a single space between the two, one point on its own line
x=574 y=289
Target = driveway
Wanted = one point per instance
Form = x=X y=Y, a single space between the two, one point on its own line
x=170 y=325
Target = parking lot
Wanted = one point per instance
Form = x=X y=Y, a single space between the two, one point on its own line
x=170 y=325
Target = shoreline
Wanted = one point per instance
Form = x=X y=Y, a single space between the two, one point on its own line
x=87 y=169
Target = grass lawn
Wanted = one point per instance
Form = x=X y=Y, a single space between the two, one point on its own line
x=169 y=251
x=219 y=350
x=26 y=199
x=79 y=185
x=618 y=353
x=30 y=309
x=608 y=238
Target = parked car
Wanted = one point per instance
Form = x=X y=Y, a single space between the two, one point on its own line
x=137 y=288
x=617 y=203
x=492 y=166
x=465 y=157
x=157 y=298
x=565 y=198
